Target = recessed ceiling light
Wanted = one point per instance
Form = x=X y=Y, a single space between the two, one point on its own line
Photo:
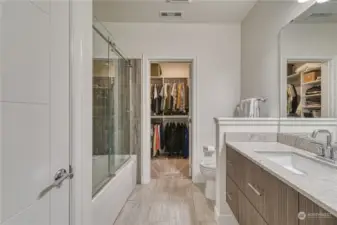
x=302 y=1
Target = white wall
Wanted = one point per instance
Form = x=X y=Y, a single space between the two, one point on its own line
x=309 y=40
x=217 y=48
x=260 y=50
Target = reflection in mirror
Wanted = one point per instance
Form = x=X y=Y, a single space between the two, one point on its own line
x=308 y=47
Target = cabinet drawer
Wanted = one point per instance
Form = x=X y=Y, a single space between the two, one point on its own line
x=232 y=197
x=247 y=213
x=231 y=157
x=315 y=215
x=234 y=166
x=280 y=202
x=276 y=202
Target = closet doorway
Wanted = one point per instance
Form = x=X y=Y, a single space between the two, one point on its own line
x=170 y=119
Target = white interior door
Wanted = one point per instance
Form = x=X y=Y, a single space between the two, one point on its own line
x=34 y=111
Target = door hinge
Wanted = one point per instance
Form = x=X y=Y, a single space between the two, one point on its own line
x=71 y=172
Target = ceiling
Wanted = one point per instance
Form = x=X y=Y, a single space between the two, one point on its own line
x=319 y=13
x=198 y=11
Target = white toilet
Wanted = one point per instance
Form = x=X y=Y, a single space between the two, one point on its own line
x=208 y=170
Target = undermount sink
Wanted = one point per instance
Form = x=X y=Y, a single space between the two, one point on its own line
x=300 y=164
x=289 y=160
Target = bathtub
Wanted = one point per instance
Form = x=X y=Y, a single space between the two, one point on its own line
x=100 y=168
x=109 y=201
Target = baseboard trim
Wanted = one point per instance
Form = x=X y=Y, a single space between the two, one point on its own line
x=225 y=219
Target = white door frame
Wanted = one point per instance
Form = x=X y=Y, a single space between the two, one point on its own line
x=81 y=56
x=332 y=80
x=146 y=118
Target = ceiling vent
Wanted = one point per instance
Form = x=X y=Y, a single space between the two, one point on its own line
x=172 y=14
x=179 y=1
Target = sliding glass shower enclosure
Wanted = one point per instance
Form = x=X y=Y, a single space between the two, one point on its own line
x=114 y=117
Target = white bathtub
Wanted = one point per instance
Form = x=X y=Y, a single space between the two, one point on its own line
x=100 y=167
x=109 y=201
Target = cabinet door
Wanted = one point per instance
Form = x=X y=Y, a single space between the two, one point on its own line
x=314 y=215
x=232 y=164
x=232 y=197
x=280 y=201
x=247 y=213
x=252 y=184
x=275 y=201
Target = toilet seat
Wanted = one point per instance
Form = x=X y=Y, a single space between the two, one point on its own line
x=208 y=169
x=208 y=165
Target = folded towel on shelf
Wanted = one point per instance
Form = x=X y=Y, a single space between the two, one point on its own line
x=308 y=66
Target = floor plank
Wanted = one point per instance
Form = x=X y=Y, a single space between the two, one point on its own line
x=167 y=201
x=169 y=167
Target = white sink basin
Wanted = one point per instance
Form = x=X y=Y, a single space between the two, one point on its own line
x=289 y=160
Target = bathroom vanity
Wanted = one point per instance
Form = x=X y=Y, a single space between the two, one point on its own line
x=264 y=188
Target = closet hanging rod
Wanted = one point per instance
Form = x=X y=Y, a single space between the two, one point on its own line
x=112 y=45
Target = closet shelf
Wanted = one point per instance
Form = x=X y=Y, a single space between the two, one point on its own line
x=296 y=75
x=163 y=77
x=170 y=117
x=312 y=82
x=312 y=107
x=313 y=95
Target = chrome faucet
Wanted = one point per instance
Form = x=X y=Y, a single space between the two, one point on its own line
x=328 y=148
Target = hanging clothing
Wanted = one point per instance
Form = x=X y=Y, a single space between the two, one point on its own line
x=178 y=96
x=156 y=142
x=174 y=140
x=155 y=100
x=174 y=96
x=182 y=98
x=186 y=143
x=169 y=99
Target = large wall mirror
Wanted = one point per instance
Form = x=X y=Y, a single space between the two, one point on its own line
x=308 y=47
x=308 y=59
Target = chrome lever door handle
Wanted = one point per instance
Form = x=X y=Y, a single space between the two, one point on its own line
x=60 y=176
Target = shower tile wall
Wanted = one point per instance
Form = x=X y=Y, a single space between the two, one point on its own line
x=136 y=112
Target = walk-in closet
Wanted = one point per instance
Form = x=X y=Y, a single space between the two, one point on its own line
x=170 y=119
x=307 y=89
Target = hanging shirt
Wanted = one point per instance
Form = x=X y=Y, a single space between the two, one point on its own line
x=182 y=98
x=178 y=96
x=174 y=96
x=154 y=144
x=162 y=98
x=168 y=97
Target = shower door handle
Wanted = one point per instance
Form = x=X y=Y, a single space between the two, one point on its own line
x=60 y=176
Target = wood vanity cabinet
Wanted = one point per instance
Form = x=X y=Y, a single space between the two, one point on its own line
x=315 y=215
x=248 y=215
x=274 y=201
x=232 y=196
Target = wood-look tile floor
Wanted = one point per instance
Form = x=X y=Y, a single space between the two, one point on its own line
x=169 y=167
x=167 y=201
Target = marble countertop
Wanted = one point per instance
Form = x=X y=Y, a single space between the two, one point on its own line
x=318 y=184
